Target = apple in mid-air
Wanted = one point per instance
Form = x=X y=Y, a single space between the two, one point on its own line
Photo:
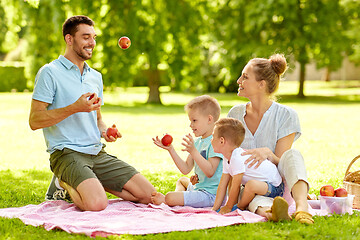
x=124 y=42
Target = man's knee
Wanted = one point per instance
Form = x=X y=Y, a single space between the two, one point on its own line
x=144 y=197
x=97 y=204
x=144 y=188
x=92 y=195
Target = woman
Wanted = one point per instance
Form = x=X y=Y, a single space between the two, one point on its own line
x=271 y=129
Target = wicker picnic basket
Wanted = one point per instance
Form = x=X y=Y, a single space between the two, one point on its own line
x=352 y=183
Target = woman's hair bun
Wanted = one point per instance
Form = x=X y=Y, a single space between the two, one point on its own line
x=278 y=63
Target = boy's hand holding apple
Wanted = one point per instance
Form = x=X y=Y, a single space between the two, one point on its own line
x=167 y=140
x=164 y=142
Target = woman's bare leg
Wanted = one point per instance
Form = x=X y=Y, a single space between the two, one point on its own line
x=299 y=193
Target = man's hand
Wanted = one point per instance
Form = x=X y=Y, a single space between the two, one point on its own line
x=83 y=104
x=41 y=117
x=111 y=138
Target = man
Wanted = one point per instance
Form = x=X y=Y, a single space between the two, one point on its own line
x=72 y=125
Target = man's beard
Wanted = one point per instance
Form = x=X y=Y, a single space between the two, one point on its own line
x=82 y=55
x=80 y=51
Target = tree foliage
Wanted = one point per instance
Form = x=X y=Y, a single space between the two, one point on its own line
x=352 y=12
x=191 y=45
x=302 y=29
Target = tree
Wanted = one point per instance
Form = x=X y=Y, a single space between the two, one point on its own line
x=10 y=25
x=164 y=35
x=43 y=33
x=322 y=26
x=193 y=45
x=352 y=12
x=298 y=28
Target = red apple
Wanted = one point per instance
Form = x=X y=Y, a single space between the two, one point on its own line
x=124 y=42
x=341 y=192
x=112 y=131
x=91 y=97
x=327 y=190
x=166 y=140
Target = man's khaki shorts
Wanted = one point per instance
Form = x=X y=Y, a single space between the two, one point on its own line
x=74 y=167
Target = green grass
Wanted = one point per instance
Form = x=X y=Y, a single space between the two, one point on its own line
x=330 y=124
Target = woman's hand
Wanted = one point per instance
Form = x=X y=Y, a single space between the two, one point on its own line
x=257 y=156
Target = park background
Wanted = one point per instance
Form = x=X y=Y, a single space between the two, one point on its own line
x=181 y=49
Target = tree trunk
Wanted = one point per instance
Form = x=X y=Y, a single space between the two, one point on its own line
x=153 y=76
x=302 y=80
x=326 y=76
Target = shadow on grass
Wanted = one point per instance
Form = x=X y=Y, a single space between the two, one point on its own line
x=143 y=108
x=21 y=188
x=315 y=99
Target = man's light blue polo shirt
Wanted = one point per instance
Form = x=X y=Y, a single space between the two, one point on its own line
x=60 y=84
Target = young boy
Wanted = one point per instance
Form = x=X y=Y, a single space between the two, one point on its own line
x=203 y=112
x=264 y=180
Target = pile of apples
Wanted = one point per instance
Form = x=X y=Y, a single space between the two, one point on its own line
x=329 y=191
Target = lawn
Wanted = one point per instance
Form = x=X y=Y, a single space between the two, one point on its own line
x=330 y=140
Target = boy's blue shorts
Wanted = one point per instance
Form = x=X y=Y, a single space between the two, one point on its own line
x=198 y=198
x=275 y=191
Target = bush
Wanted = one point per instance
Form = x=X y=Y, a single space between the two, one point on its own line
x=12 y=76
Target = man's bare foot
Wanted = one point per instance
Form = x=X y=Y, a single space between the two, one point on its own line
x=157 y=198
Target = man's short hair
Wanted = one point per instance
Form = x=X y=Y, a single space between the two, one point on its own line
x=206 y=105
x=71 y=24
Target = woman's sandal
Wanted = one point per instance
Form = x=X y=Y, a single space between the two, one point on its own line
x=279 y=210
x=303 y=217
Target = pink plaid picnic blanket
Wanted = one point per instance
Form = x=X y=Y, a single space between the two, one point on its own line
x=124 y=217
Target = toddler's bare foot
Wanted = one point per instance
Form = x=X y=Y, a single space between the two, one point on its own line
x=157 y=198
